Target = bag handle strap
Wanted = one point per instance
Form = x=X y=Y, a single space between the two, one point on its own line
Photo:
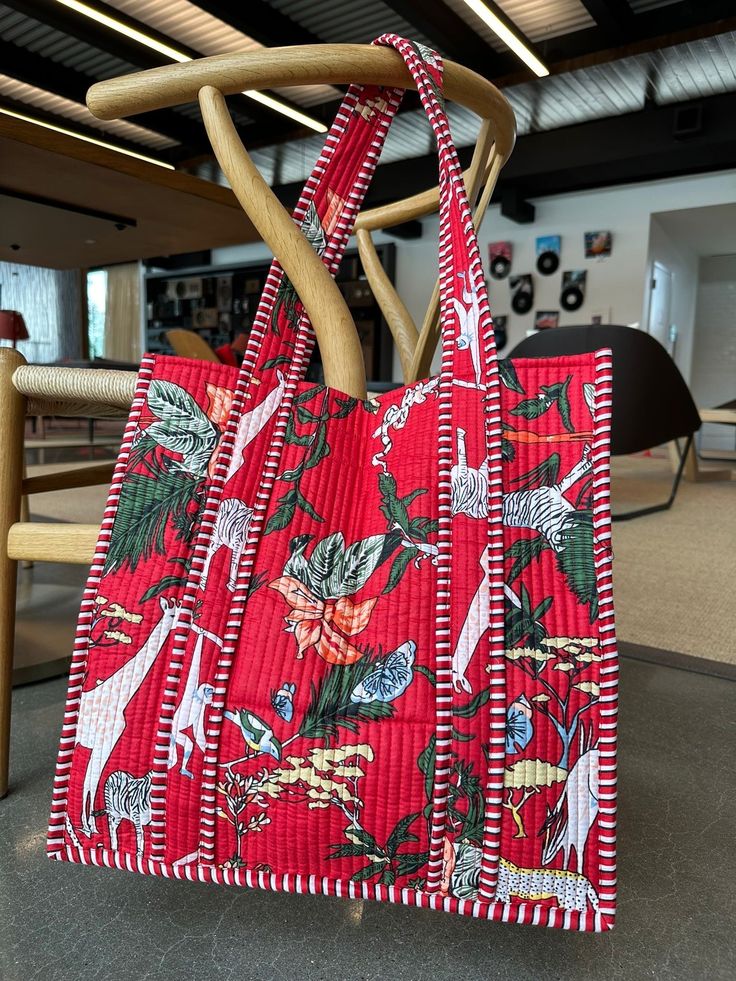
x=282 y=337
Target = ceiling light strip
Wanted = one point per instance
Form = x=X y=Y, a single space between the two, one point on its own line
x=85 y=139
x=508 y=37
x=179 y=56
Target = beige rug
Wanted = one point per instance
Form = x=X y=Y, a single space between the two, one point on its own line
x=674 y=572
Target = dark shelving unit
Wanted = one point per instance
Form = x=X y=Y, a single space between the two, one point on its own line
x=220 y=302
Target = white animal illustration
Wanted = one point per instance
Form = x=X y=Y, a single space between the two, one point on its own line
x=469 y=317
x=230 y=530
x=396 y=417
x=476 y=623
x=569 y=822
x=187 y=726
x=545 y=509
x=469 y=487
x=127 y=798
x=571 y=889
x=251 y=423
x=101 y=718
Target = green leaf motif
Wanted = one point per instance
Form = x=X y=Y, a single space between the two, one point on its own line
x=144 y=509
x=346 y=407
x=354 y=568
x=399 y=567
x=507 y=373
x=411 y=862
x=324 y=559
x=401 y=834
x=275 y=362
x=369 y=871
x=531 y=408
x=281 y=516
x=183 y=427
x=306 y=506
x=545 y=474
x=330 y=707
x=168 y=582
x=524 y=551
x=473 y=706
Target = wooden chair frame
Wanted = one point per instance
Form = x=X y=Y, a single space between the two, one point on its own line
x=39 y=390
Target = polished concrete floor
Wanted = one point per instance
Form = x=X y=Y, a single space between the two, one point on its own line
x=677 y=880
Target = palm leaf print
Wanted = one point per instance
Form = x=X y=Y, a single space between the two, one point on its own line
x=146 y=505
x=182 y=428
x=575 y=559
x=331 y=707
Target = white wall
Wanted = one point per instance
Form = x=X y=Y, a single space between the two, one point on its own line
x=617 y=286
x=714 y=354
x=677 y=256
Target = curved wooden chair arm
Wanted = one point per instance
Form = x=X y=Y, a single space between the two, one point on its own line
x=314 y=64
x=210 y=79
x=342 y=356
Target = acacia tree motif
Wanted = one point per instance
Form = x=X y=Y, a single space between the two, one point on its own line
x=527 y=776
x=111 y=617
x=573 y=656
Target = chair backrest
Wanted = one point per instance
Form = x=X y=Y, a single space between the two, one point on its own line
x=651 y=401
x=188 y=344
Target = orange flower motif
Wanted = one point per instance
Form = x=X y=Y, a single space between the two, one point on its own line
x=220 y=401
x=323 y=624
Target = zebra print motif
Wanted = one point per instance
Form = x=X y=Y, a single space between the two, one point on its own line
x=128 y=798
x=545 y=509
x=231 y=530
x=468 y=487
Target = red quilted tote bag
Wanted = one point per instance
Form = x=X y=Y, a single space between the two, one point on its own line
x=359 y=648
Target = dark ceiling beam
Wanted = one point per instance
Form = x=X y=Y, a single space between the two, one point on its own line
x=651 y=27
x=451 y=35
x=634 y=147
x=602 y=55
x=34 y=112
x=272 y=127
x=614 y=17
x=259 y=20
x=31 y=68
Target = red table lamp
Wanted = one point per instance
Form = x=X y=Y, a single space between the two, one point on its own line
x=12 y=326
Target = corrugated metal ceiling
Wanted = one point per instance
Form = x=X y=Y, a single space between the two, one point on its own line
x=36 y=98
x=538 y=21
x=190 y=25
x=348 y=21
x=675 y=74
x=697 y=69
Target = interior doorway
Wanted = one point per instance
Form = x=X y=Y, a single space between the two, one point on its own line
x=660 y=308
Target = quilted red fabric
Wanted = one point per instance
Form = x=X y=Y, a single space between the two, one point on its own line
x=361 y=648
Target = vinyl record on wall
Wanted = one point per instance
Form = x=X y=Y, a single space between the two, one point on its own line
x=548 y=254
x=522 y=293
x=572 y=295
x=499 y=331
x=499 y=259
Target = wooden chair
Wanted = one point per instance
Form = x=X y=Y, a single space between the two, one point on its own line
x=189 y=344
x=26 y=389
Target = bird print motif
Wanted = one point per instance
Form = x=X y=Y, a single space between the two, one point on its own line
x=258 y=735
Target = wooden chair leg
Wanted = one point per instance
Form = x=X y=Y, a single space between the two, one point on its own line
x=12 y=423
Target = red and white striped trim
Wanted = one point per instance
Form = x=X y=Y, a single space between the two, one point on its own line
x=56 y=838
x=530 y=914
x=608 y=703
x=248 y=383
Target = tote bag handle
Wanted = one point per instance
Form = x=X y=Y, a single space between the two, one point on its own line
x=282 y=336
